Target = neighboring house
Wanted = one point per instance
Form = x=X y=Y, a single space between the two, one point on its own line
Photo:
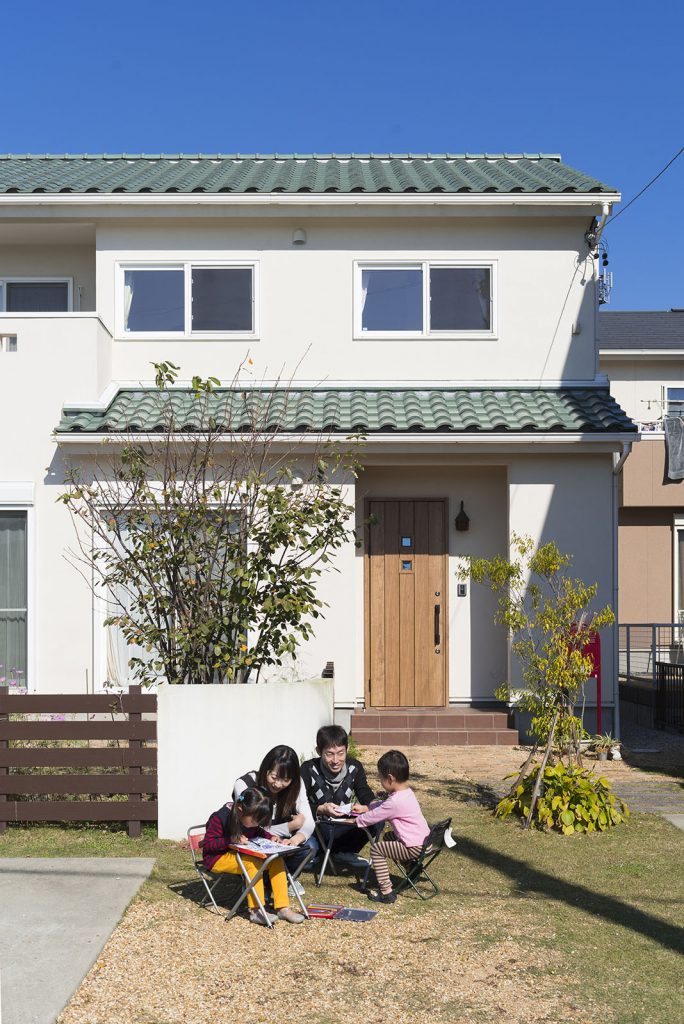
x=447 y=303
x=643 y=355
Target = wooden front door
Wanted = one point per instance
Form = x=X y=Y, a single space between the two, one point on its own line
x=406 y=606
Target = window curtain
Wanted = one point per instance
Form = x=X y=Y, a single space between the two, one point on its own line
x=128 y=296
x=13 y=598
x=365 y=275
x=118 y=652
x=484 y=297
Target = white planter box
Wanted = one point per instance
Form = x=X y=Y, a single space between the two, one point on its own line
x=209 y=735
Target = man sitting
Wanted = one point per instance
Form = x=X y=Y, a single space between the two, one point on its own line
x=332 y=780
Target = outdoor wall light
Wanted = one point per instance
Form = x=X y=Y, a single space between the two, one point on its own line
x=299 y=237
x=462 y=520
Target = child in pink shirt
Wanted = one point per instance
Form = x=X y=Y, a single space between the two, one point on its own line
x=410 y=829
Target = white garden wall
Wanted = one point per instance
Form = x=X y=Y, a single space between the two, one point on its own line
x=209 y=735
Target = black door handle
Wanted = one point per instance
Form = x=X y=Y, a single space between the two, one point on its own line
x=438 y=609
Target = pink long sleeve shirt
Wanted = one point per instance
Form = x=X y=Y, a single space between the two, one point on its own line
x=403 y=810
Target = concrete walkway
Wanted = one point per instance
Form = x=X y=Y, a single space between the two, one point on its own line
x=55 y=916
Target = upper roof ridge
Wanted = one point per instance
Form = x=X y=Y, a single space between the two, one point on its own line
x=281 y=156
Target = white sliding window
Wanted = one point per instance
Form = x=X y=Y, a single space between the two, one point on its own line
x=424 y=299
x=13 y=598
x=187 y=299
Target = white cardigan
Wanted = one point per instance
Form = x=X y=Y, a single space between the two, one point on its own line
x=301 y=807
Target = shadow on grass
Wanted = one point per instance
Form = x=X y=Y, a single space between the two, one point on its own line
x=529 y=879
x=225 y=893
x=466 y=791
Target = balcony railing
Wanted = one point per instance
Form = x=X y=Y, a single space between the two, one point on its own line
x=651 y=673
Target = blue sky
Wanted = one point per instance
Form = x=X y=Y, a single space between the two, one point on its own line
x=601 y=84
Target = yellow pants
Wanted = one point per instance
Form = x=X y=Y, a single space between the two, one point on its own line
x=276 y=872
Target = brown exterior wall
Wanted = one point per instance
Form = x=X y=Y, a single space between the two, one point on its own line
x=644 y=477
x=645 y=540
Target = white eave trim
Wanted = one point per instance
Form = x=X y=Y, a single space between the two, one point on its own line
x=461 y=441
x=572 y=199
x=642 y=353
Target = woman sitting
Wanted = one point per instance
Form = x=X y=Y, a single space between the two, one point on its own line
x=291 y=819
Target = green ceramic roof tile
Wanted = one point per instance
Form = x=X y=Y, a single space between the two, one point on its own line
x=346 y=173
x=363 y=410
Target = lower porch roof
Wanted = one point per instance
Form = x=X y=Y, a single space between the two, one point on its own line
x=347 y=410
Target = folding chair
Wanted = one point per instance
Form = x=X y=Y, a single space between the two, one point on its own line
x=327 y=844
x=210 y=879
x=416 y=871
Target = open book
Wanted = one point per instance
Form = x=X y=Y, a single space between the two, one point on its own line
x=260 y=847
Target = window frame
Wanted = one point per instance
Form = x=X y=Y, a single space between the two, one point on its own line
x=677 y=526
x=666 y=400
x=186 y=265
x=20 y=498
x=426 y=334
x=34 y=279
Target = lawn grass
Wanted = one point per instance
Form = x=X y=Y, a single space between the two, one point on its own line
x=597 y=920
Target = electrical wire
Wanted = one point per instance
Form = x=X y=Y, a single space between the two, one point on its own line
x=645 y=188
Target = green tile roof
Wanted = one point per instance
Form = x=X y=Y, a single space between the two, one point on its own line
x=362 y=410
x=345 y=173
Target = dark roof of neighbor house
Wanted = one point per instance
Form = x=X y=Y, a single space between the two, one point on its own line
x=294 y=173
x=356 y=410
x=641 y=329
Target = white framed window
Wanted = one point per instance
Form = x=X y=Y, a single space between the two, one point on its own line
x=36 y=294
x=16 y=585
x=424 y=299
x=186 y=298
x=673 y=401
x=678 y=568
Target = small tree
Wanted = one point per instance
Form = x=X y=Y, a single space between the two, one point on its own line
x=208 y=542
x=546 y=612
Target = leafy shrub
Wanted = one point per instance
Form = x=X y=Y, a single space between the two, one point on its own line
x=571 y=800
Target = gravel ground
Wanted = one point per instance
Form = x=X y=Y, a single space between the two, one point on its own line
x=168 y=964
x=416 y=963
x=170 y=961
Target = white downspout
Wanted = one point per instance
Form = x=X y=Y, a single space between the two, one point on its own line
x=605 y=210
x=618 y=463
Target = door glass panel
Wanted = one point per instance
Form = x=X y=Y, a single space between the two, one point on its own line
x=392 y=300
x=406 y=566
x=13 y=598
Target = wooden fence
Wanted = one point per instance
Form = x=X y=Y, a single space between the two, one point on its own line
x=124 y=724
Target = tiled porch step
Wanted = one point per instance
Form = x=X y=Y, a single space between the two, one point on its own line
x=469 y=719
x=416 y=737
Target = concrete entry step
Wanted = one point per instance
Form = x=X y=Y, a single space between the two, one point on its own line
x=451 y=726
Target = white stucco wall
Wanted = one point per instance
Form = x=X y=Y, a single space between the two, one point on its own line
x=53 y=258
x=569 y=500
x=306 y=297
x=637 y=383
x=306 y=302
x=210 y=735
x=54 y=355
